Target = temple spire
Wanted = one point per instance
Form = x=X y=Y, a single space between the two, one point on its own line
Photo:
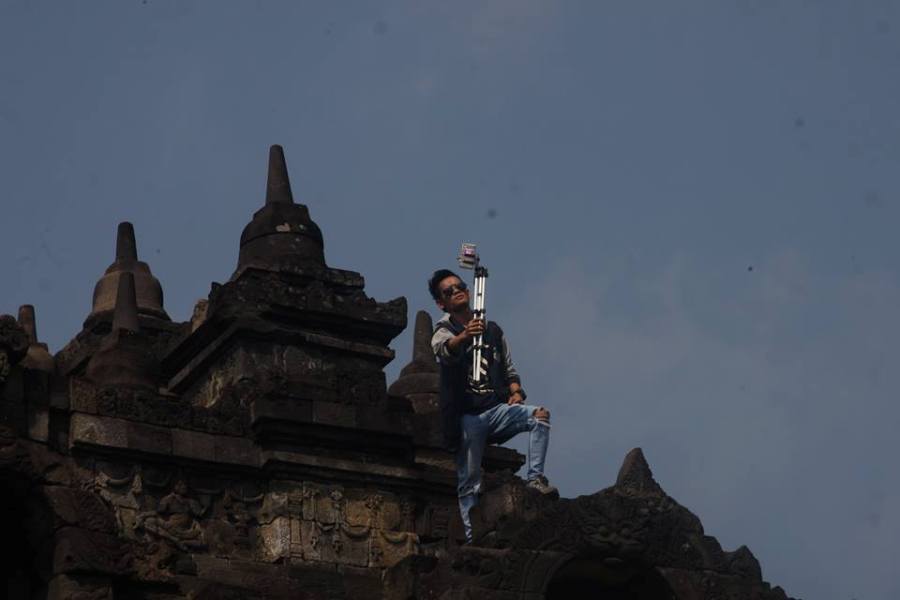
x=126 y=247
x=422 y=352
x=278 y=185
x=38 y=358
x=635 y=476
x=27 y=321
x=126 y=312
x=281 y=236
x=419 y=380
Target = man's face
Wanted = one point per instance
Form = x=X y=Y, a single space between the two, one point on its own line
x=453 y=294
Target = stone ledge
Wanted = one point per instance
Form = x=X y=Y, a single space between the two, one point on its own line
x=339 y=464
x=111 y=433
x=191 y=358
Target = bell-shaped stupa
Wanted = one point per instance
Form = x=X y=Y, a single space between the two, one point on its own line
x=148 y=291
x=281 y=235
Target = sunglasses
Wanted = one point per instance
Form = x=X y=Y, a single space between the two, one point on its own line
x=448 y=291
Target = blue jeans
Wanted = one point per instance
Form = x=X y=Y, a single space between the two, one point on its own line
x=495 y=426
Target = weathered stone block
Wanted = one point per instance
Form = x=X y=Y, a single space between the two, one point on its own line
x=235 y=450
x=88 y=429
x=390 y=548
x=310 y=496
x=82 y=550
x=193 y=444
x=312 y=540
x=435 y=521
x=329 y=506
x=82 y=396
x=360 y=584
x=332 y=413
x=148 y=438
x=39 y=425
x=357 y=512
x=275 y=540
x=65 y=587
x=394 y=515
x=349 y=546
x=75 y=507
x=281 y=409
x=127 y=517
x=275 y=504
x=296 y=537
x=118 y=433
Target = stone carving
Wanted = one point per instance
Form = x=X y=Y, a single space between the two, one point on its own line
x=275 y=526
x=310 y=497
x=240 y=518
x=336 y=543
x=373 y=503
x=337 y=506
x=376 y=555
x=157 y=478
x=407 y=510
x=437 y=522
x=175 y=519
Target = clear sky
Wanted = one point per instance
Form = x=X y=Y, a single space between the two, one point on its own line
x=689 y=211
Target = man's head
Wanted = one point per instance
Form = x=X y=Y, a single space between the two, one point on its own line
x=448 y=290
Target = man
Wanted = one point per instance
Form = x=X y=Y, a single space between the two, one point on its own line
x=491 y=410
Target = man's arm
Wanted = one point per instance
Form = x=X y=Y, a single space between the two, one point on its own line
x=512 y=376
x=440 y=347
x=515 y=384
x=448 y=347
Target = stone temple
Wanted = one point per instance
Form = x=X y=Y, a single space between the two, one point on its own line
x=256 y=452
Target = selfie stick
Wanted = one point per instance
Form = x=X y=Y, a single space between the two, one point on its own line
x=468 y=259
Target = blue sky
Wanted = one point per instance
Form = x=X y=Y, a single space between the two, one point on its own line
x=688 y=210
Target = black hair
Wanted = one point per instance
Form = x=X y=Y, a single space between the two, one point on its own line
x=435 y=281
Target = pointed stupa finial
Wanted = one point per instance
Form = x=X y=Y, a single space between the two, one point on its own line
x=126 y=247
x=281 y=236
x=635 y=476
x=38 y=358
x=422 y=352
x=278 y=185
x=27 y=321
x=420 y=379
x=126 y=312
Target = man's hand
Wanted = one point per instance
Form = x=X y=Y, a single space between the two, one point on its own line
x=474 y=328
x=515 y=398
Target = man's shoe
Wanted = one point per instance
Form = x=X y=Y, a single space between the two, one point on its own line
x=541 y=484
